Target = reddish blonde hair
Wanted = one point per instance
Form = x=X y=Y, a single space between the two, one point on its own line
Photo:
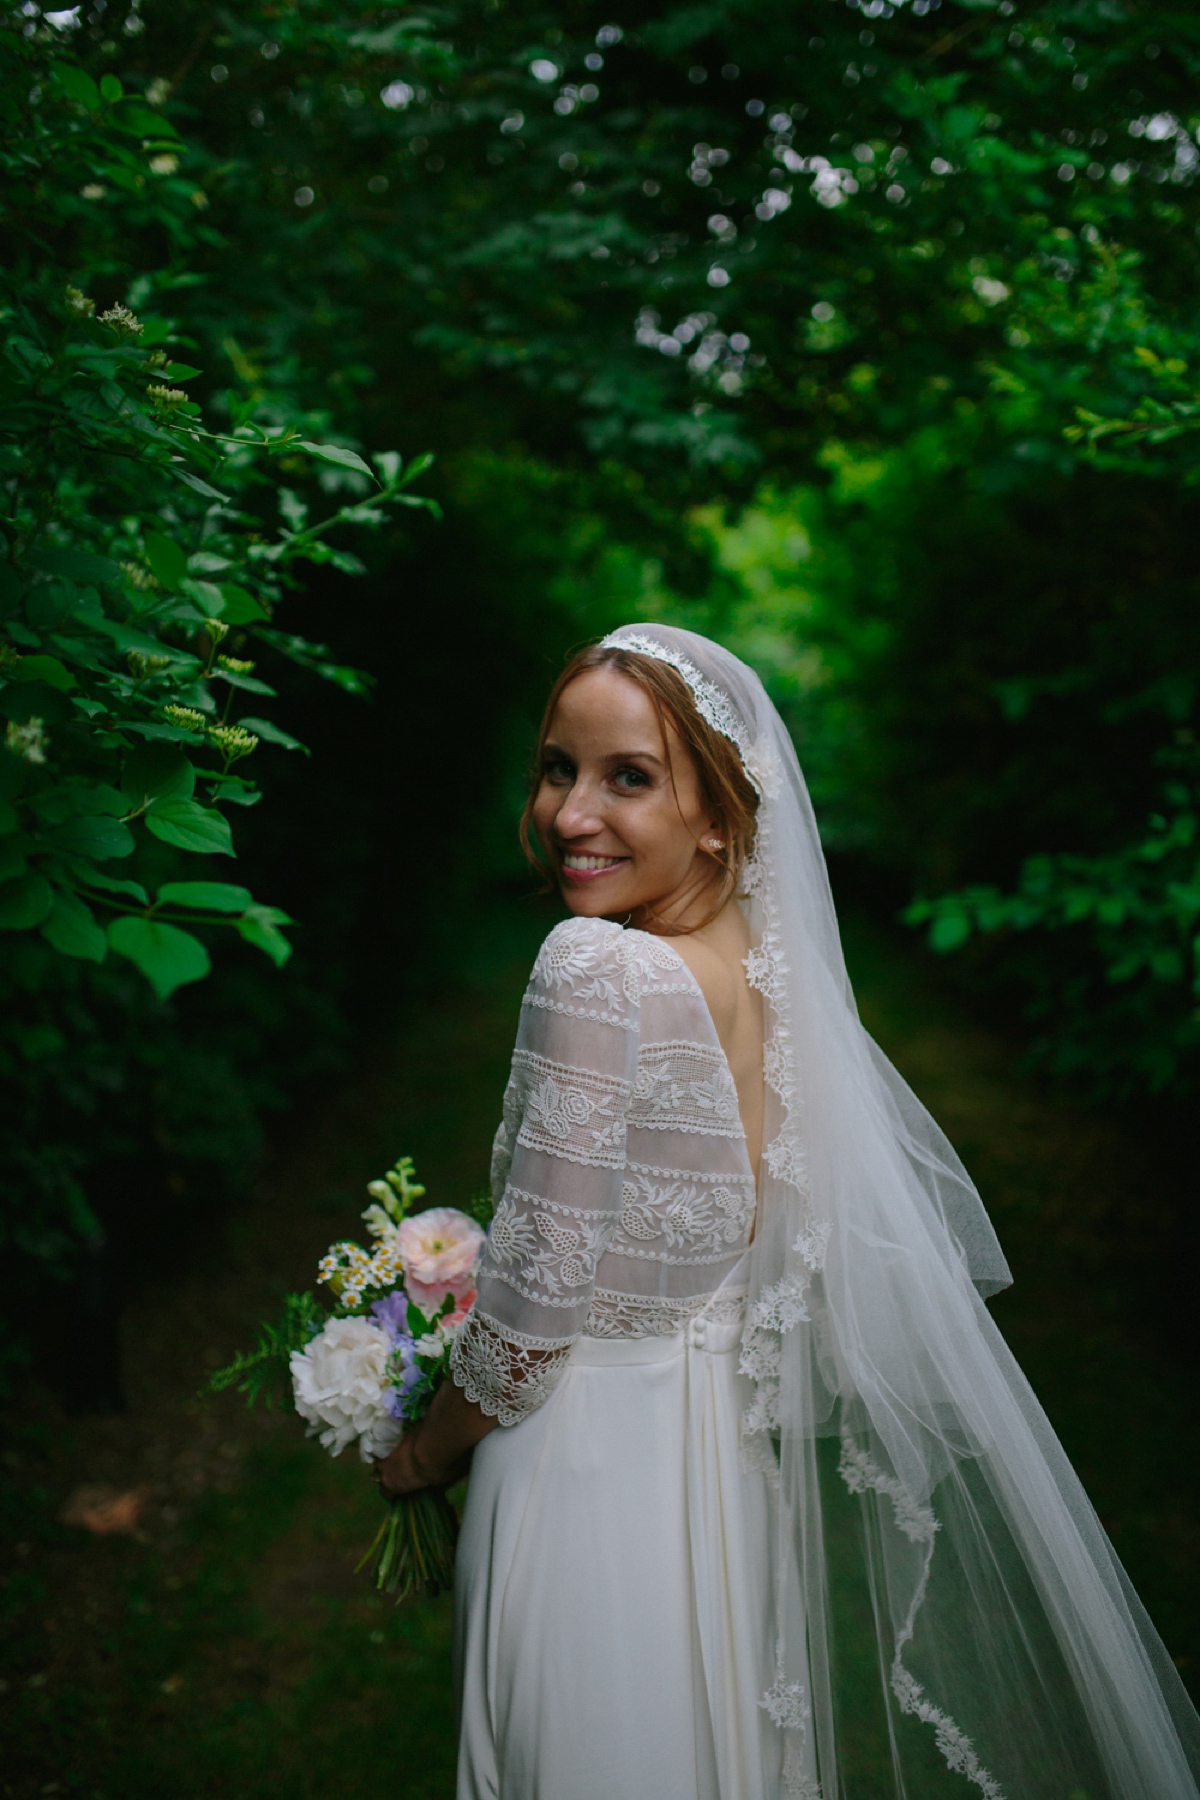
x=725 y=788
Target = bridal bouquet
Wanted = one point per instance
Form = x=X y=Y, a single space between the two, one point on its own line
x=368 y=1368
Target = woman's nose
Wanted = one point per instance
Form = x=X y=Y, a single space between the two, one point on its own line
x=578 y=815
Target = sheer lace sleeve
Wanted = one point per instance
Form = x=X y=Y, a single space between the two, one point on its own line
x=556 y=1169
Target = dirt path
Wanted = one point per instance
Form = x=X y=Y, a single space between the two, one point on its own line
x=223 y=1646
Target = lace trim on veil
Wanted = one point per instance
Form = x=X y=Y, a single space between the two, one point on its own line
x=920 y=1525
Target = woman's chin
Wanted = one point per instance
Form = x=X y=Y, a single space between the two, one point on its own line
x=589 y=901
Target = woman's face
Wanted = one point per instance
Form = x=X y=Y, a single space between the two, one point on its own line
x=623 y=836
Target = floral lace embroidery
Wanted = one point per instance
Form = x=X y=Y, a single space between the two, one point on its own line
x=544 y=1250
x=685 y=1087
x=760 y=1360
x=571 y=1112
x=786 y=1705
x=919 y=1524
x=581 y=962
x=615 y=1315
x=785 y=1304
x=781 y=1306
x=686 y=1217
x=758 y=1456
x=507 y=1373
x=796 y=1784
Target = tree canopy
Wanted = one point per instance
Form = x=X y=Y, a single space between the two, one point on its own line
x=861 y=334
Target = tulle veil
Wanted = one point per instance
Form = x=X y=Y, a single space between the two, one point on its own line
x=942 y=1585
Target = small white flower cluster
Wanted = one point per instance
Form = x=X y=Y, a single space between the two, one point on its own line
x=350 y=1271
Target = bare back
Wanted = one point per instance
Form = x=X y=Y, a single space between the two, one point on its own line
x=716 y=956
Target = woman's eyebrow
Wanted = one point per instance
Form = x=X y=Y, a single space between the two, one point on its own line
x=620 y=756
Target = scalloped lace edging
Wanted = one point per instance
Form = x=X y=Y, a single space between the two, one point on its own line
x=920 y=1525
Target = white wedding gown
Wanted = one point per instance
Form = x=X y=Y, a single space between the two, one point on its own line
x=613 y=1587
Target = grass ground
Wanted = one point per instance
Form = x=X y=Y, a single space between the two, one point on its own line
x=224 y=1646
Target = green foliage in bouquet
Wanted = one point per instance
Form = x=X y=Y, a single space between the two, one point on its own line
x=262 y=1373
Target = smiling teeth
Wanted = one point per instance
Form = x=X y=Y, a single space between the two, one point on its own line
x=588 y=863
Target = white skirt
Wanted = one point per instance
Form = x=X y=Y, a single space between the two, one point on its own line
x=612 y=1594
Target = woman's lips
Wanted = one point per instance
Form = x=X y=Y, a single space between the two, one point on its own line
x=578 y=868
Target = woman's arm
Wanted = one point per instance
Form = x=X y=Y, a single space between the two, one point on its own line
x=573 y=1074
x=435 y=1451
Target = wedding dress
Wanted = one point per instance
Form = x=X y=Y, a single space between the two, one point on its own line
x=667 y=1588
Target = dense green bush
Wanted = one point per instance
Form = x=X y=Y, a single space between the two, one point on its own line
x=144 y=568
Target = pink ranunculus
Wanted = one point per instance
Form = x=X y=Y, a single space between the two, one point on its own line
x=466 y=1301
x=440 y=1248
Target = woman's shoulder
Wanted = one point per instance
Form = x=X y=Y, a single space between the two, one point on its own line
x=576 y=940
x=582 y=969
x=599 y=970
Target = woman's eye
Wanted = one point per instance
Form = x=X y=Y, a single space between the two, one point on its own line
x=556 y=768
x=631 y=778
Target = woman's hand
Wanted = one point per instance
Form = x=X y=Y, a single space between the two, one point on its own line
x=438 y=1450
x=401 y=1471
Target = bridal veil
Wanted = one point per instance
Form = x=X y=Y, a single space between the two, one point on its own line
x=974 y=1609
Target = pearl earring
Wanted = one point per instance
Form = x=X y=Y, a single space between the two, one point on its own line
x=716 y=843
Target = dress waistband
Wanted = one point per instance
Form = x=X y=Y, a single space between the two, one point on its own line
x=716 y=1327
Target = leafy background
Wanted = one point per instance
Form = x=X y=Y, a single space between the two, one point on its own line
x=860 y=335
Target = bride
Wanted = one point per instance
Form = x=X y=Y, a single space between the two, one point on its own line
x=760 y=1504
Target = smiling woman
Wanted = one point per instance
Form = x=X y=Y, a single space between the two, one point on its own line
x=642 y=810
x=667 y=1322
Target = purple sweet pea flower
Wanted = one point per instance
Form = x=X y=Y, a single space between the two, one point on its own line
x=392 y=1313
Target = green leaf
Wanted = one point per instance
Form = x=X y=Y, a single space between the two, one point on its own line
x=237 y=793
x=218 y=896
x=157 y=771
x=259 y=927
x=250 y=683
x=238 y=607
x=77 y=85
x=24 y=902
x=76 y=565
x=200 y=487
x=110 y=88
x=139 y=121
x=206 y=594
x=418 y=466
x=166 y=558
x=166 y=956
x=336 y=453
x=44 y=668
x=948 y=931
x=271 y=734
x=89 y=876
x=10 y=584
x=96 y=837
x=50 y=602
x=180 y=372
x=72 y=930
x=22 y=701
x=12 y=859
x=191 y=826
